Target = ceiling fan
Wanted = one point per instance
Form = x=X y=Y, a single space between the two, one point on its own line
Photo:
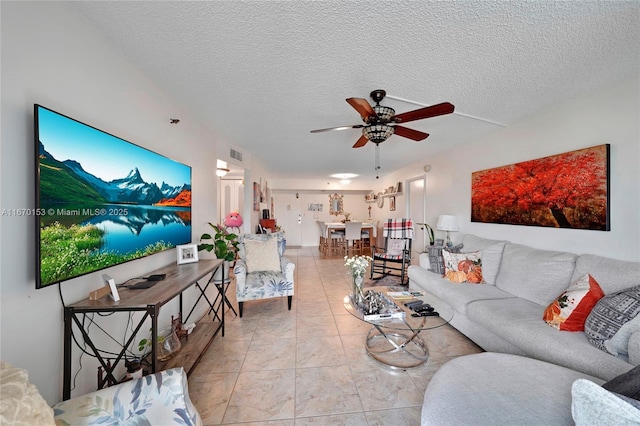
x=380 y=122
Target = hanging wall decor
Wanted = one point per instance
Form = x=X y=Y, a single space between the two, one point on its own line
x=569 y=190
x=257 y=196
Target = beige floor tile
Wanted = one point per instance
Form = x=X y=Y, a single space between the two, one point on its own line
x=281 y=355
x=380 y=387
x=325 y=390
x=276 y=328
x=320 y=351
x=353 y=419
x=316 y=325
x=224 y=355
x=262 y=396
x=210 y=393
x=408 y=416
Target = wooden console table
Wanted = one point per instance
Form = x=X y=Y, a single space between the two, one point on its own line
x=150 y=300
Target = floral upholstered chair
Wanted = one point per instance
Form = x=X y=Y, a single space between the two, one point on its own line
x=262 y=271
x=156 y=399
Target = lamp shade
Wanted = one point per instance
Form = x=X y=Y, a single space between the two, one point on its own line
x=447 y=223
x=221 y=171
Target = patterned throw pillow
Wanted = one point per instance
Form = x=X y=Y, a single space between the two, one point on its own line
x=463 y=267
x=395 y=247
x=262 y=255
x=627 y=384
x=610 y=314
x=570 y=310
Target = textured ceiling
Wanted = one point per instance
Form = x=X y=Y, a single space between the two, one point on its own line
x=261 y=74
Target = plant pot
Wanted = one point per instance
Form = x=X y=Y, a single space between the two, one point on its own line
x=217 y=275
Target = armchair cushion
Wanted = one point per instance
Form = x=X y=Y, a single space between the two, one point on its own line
x=160 y=398
x=262 y=255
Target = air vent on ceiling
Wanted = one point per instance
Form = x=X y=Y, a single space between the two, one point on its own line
x=235 y=154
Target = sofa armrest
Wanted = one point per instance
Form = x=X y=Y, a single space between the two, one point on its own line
x=634 y=348
x=240 y=272
x=160 y=398
x=424 y=261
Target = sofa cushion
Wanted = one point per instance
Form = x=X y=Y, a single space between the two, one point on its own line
x=613 y=275
x=457 y=295
x=609 y=315
x=570 y=310
x=519 y=322
x=463 y=267
x=533 y=274
x=491 y=252
x=594 y=405
x=499 y=389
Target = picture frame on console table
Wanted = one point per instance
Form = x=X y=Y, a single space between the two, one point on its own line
x=187 y=253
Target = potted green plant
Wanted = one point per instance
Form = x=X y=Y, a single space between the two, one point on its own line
x=223 y=243
x=429 y=230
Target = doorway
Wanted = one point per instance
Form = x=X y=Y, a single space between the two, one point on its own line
x=416 y=207
x=288 y=212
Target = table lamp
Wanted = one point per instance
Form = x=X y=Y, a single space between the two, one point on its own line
x=447 y=223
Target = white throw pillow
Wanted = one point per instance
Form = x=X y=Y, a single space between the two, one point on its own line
x=21 y=404
x=592 y=405
x=262 y=255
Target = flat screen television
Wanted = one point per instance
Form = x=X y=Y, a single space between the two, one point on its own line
x=102 y=201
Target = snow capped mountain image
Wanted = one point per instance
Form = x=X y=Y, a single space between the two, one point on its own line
x=130 y=189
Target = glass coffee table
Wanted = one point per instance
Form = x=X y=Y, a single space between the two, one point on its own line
x=394 y=339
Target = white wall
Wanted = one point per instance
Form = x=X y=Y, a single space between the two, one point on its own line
x=52 y=56
x=610 y=115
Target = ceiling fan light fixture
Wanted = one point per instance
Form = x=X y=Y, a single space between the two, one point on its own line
x=384 y=112
x=377 y=133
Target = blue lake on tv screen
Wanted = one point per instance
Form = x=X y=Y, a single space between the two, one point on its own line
x=143 y=226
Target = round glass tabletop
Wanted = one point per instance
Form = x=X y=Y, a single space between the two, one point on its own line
x=394 y=339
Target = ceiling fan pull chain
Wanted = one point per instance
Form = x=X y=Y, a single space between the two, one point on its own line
x=377 y=160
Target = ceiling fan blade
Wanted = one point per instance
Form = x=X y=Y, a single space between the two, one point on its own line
x=363 y=107
x=426 y=112
x=355 y=126
x=361 y=142
x=410 y=133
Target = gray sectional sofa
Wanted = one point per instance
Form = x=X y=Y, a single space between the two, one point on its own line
x=528 y=375
x=505 y=314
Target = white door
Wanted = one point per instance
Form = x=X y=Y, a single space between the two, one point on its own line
x=288 y=213
x=416 y=206
x=231 y=197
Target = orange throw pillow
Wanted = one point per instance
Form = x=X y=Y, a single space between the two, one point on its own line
x=571 y=309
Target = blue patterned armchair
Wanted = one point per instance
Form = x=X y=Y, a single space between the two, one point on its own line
x=262 y=271
x=156 y=399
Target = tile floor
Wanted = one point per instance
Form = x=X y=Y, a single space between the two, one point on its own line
x=308 y=366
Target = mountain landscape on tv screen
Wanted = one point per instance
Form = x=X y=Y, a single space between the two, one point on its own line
x=90 y=224
x=67 y=182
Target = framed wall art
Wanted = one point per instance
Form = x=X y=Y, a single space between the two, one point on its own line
x=569 y=190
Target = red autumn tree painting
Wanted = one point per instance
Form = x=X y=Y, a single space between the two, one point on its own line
x=569 y=190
